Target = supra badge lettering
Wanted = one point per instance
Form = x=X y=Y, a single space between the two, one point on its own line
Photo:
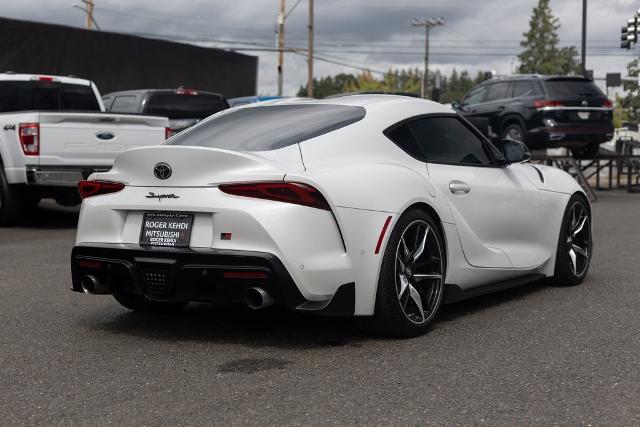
x=153 y=195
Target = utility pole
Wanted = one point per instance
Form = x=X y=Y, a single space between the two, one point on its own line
x=310 y=52
x=89 y=4
x=427 y=24
x=280 y=45
x=584 y=38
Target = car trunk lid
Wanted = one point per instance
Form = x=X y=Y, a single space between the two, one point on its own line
x=186 y=166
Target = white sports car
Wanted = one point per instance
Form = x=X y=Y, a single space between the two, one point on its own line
x=369 y=205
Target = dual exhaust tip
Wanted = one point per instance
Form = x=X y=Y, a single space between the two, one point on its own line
x=255 y=298
x=91 y=285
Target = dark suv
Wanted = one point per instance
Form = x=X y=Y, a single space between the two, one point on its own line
x=183 y=107
x=542 y=111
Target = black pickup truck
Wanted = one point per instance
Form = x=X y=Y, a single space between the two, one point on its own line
x=183 y=107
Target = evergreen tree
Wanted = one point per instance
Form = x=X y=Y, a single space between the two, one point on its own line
x=541 y=53
x=631 y=101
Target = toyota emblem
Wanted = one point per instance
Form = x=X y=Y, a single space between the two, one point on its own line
x=162 y=171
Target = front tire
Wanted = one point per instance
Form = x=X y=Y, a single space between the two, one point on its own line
x=575 y=243
x=411 y=283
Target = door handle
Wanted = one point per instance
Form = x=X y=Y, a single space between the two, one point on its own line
x=459 y=187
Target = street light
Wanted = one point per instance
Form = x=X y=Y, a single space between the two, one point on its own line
x=89 y=12
x=427 y=24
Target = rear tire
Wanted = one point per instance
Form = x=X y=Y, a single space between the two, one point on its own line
x=140 y=303
x=575 y=243
x=411 y=283
x=10 y=205
x=589 y=152
x=515 y=132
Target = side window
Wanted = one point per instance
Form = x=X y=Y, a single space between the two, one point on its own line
x=474 y=97
x=124 y=104
x=522 y=88
x=404 y=139
x=448 y=140
x=498 y=91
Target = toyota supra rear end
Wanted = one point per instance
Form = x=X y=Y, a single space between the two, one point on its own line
x=332 y=207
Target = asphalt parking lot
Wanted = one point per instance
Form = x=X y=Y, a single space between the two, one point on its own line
x=534 y=355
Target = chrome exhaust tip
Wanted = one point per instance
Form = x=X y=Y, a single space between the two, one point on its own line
x=91 y=285
x=257 y=298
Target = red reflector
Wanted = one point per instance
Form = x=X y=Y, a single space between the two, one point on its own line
x=607 y=103
x=541 y=103
x=168 y=132
x=97 y=188
x=29 y=135
x=382 y=233
x=245 y=275
x=86 y=263
x=288 y=192
x=46 y=78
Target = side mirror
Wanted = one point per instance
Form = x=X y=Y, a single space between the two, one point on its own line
x=515 y=151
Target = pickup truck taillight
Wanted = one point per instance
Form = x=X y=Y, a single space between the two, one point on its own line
x=97 y=188
x=29 y=134
x=167 y=133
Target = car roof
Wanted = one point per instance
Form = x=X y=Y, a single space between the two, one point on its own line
x=145 y=91
x=9 y=76
x=534 y=77
x=365 y=101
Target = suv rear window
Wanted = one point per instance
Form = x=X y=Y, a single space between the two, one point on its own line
x=175 y=106
x=268 y=127
x=572 y=87
x=46 y=96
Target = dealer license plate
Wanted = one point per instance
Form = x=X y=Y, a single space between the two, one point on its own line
x=166 y=229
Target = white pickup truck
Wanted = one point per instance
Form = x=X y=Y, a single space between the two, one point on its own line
x=54 y=133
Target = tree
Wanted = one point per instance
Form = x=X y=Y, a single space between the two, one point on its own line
x=631 y=101
x=541 y=52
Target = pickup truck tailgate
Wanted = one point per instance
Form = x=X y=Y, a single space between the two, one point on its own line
x=94 y=139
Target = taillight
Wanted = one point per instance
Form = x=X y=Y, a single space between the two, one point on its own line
x=288 y=192
x=183 y=91
x=607 y=103
x=29 y=134
x=167 y=133
x=97 y=188
x=541 y=103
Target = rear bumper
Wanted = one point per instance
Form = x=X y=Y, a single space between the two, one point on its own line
x=60 y=176
x=209 y=275
x=569 y=135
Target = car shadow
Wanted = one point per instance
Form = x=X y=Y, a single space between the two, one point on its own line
x=49 y=215
x=237 y=324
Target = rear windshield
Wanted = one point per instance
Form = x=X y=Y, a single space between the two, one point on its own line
x=46 y=96
x=177 y=106
x=268 y=127
x=567 y=87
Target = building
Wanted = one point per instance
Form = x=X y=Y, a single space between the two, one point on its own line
x=120 y=62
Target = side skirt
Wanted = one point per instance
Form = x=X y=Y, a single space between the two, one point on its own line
x=454 y=293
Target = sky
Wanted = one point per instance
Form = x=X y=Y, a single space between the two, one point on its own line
x=371 y=34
